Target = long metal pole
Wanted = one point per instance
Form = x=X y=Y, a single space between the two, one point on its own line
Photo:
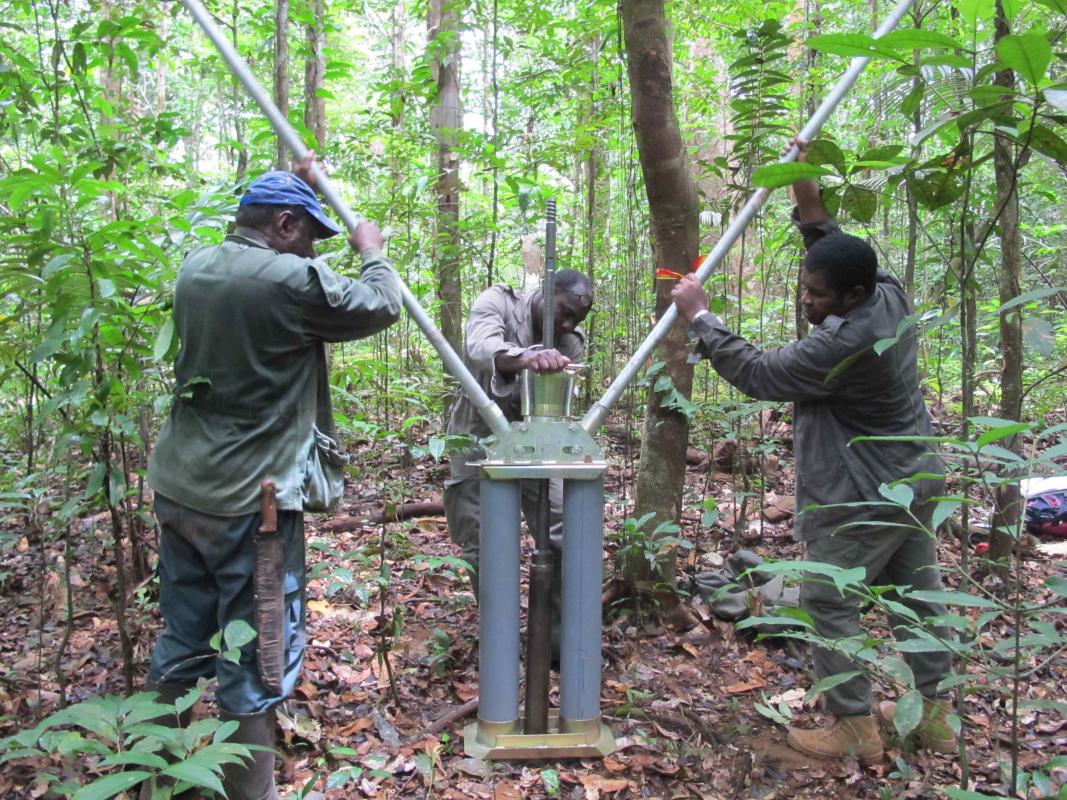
x=548 y=294
x=489 y=410
x=594 y=418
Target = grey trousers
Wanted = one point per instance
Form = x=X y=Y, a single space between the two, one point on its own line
x=463 y=512
x=891 y=555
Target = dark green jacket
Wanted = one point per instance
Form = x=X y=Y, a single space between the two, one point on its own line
x=252 y=323
x=841 y=389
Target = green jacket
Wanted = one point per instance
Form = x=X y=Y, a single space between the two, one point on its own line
x=841 y=389
x=251 y=375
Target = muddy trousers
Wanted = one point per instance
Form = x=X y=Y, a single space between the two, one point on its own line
x=206 y=580
x=891 y=555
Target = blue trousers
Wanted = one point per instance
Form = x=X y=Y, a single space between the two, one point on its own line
x=206 y=580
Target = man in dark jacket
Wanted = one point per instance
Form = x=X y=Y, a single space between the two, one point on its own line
x=254 y=314
x=841 y=389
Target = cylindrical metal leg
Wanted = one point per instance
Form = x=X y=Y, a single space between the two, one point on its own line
x=498 y=604
x=583 y=542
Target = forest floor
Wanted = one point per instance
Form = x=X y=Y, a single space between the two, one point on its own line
x=680 y=702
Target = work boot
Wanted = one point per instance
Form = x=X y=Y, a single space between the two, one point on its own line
x=252 y=779
x=169 y=694
x=846 y=736
x=933 y=731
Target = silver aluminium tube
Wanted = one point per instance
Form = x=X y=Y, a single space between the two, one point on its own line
x=489 y=411
x=594 y=418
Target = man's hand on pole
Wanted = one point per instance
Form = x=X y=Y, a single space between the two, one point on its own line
x=366 y=235
x=305 y=169
x=689 y=296
x=533 y=360
x=806 y=192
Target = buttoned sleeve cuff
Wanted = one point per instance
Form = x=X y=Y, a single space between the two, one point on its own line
x=813 y=231
x=501 y=385
x=703 y=329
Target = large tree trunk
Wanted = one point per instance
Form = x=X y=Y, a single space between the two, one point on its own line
x=673 y=207
x=314 y=69
x=445 y=56
x=1007 y=510
x=281 y=73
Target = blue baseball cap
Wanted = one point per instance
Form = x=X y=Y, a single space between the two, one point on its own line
x=280 y=188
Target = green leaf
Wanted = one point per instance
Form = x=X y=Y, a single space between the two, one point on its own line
x=135 y=757
x=550 y=778
x=1029 y=54
x=942 y=511
x=824 y=151
x=955 y=793
x=774 y=176
x=1029 y=297
x=973 y=11
x=853 y=44
x=913 y=100
x=952 y=598
x=829 y=683
x=915 y=39
x=1057 y=585
x=908 y=713
x=1059 y=6
x=196 y=774
x=111 y=785
x=861 y=203
x=164 y=340
x=1002 y=432
x=899 y=494
x=1047 y=143
x=238 y=633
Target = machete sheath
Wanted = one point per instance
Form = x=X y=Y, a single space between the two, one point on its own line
x=269 y=594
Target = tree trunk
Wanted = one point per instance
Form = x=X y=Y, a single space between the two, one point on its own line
x=673 y=208
x=445 y=119
x=1008 y=507
x=314 y=69
x=281 y=73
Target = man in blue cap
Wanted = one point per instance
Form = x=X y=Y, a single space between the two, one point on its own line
x=250 y=405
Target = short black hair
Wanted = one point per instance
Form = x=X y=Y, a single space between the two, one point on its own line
x=846 y=260
x=261 y=215
x=573 y=281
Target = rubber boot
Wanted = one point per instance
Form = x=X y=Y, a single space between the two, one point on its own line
x=933 y=732
x=846 y=736
x=169 y=694
x=252 y=779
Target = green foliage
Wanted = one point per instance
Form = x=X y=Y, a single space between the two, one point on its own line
x=124 y=742
x=997 y=667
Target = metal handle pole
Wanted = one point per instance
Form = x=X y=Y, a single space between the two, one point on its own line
x=488 y=410
x=594 y=418
x=548 y=294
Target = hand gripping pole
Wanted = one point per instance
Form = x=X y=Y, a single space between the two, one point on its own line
x=489 y=411
x=597 y=413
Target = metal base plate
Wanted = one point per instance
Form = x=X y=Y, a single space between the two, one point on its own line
x=596 y=742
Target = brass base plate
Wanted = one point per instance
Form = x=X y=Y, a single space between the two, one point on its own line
x=597 y=742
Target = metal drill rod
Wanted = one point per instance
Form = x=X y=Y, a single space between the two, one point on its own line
x=548 y=294
x=539 y=617
x=488 y=410
x=594 y=418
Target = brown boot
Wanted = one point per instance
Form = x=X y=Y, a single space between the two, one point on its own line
x=933 y=732
x=846 y=736
x=252 y=779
